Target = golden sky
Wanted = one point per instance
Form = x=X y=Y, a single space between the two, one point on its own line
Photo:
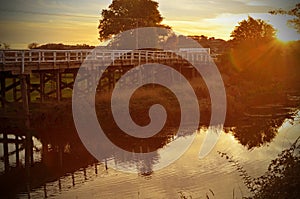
x=75 y=22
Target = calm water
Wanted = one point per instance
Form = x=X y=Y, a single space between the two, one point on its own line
x=189 y=176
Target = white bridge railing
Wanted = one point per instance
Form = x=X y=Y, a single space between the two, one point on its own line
x=40 y=56
x=25 y=57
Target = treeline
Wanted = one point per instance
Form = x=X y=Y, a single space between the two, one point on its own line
x=59 y=46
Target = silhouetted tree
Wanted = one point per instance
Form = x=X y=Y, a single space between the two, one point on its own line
x=253 y=30
x=33 y=45
x=295 y=22
x=4 y=46
x=60 y=46
x=124 y=15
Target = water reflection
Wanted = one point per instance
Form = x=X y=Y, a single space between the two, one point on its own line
x=255 y=130
x=61 y=161
x=189 y=175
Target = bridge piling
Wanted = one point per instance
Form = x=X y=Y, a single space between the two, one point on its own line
x=17 y=151
x=3 y=86
x=5 y=152
x=58 y=86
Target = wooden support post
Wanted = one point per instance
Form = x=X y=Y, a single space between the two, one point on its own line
x=17 y=151
x=42 y=87
x=84 y=173
x=58 y=86
x=2 y=82
x=14 y=90
x=45 y=191
x=59 y=184
x=25 y=100
x=74 y=76
x=105 y=162
x=28 y=88
x=28 y=146
x=96 y=169
x=5 y=150
x=73 y=179
x=31 y=149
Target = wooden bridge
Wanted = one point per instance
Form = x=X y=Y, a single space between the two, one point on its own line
x=45 y=73
x=41 y=75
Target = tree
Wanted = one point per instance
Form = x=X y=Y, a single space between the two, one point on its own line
x=59 y=46
x=295 y=22
x=124 y=15
x=33 y=45
x=4 y=46
x=252 y=30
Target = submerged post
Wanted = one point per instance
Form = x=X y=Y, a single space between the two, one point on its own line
x=28 y=143
x=5 y=150
x=17 y=150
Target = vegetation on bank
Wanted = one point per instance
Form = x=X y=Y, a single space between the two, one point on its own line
x=281 y=179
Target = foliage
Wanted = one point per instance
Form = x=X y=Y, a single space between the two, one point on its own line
x=282 y=178
x=33 y=45
x=60 y=46
x=124 y=15
x=253 y=30
x=295 y=22
x=4 y=46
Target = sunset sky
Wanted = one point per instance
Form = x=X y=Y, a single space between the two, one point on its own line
x=75 y=21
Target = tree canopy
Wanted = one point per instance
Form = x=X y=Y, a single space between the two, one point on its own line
x=253 y=30
x=295 y=22
x=33 y=45
x=59 y=46
x=4 y=46
x=124 y=15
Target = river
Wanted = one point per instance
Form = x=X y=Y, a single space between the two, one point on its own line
x=188 y=177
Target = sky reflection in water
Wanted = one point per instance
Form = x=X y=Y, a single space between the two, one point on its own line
x=189 y=175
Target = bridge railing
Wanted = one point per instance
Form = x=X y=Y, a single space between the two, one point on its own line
x=10 y=58
x=39 y=56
